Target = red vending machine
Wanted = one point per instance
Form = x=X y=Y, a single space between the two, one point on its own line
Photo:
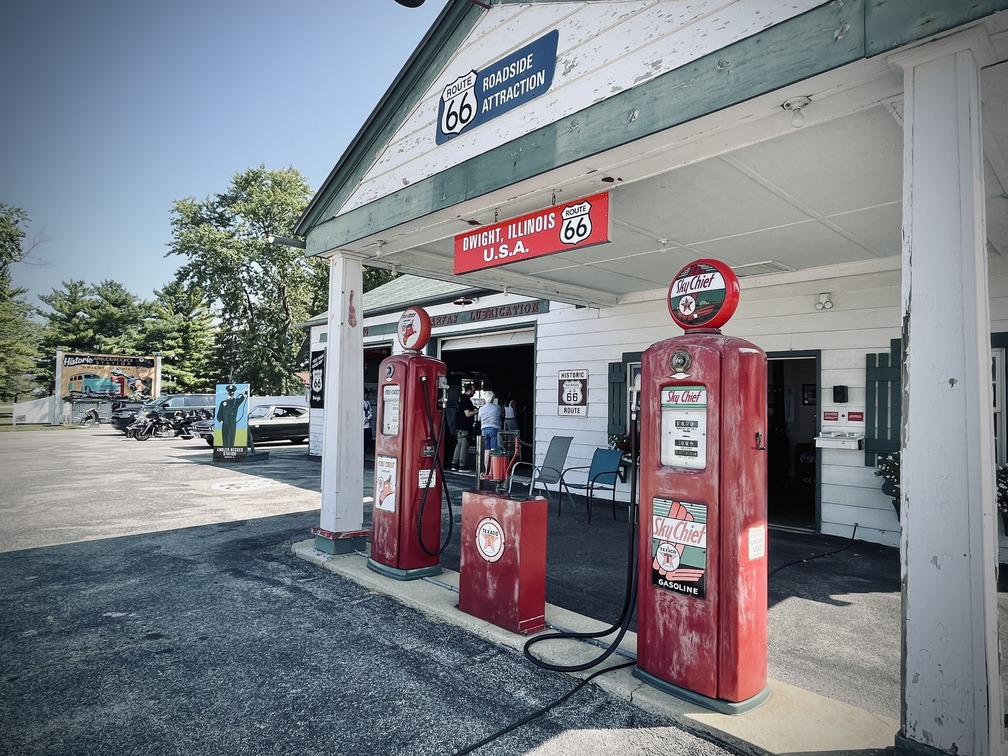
x=702 y=569
x=406 y=520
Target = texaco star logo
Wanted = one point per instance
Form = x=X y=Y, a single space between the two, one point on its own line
x=490 y=539
x=687 y=305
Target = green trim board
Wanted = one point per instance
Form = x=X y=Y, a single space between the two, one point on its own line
x=820 y=40
x=894 y=24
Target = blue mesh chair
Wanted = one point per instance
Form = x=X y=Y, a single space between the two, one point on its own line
x=603 y=472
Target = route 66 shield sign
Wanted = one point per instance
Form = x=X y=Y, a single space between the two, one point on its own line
x=459 y=104
x=577 y=225
x=572 y=392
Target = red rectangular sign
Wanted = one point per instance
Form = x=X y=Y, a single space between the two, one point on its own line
x=830 y=415
x=855 y=417
x=573 y=225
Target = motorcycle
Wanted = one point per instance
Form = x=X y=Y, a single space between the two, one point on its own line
x=91 y=417
x=183 y=421
x=139 y=422
x=155 y=425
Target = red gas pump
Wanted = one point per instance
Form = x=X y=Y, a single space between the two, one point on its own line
x=702 y=566
x=406 y=521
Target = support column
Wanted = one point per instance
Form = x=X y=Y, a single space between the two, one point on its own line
x=341 y=527
x=951 y=686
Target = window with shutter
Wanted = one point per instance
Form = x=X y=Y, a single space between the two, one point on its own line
x=883 y=402
x=621 y=375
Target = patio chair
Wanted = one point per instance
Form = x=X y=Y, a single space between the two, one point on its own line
x=548 y=472
x=603 y=472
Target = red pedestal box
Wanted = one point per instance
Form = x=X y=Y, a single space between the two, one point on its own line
x=502 y=575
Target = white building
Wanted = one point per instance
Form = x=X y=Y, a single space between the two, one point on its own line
x=848 y=159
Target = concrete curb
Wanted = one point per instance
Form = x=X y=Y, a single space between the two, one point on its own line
x=792 y=721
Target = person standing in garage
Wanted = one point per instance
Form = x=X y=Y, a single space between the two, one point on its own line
x=368 y=434
x=463 y=429
x=489 y=416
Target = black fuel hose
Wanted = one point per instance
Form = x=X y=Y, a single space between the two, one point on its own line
x=622 y=625
x=436 y=436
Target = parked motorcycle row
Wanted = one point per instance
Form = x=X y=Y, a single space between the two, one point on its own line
x=155 y=424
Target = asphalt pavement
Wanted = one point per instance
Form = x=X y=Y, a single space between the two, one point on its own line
x=155 y=602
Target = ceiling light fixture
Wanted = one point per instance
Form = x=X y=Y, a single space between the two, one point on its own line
x=824 y=302
x=794 y=106
x=465 y=301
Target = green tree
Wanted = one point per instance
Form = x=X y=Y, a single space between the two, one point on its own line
x=375 y=277
x=12 y=236
x=117 y=318
x=103 y=319
x=181 y=328
x=19 y=336
x=263 y=290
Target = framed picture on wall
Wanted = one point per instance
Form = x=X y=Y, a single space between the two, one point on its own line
x=808 y=394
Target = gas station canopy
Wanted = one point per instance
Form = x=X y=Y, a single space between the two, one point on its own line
x=815 y=186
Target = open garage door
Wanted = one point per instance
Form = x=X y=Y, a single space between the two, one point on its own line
x=505 y=362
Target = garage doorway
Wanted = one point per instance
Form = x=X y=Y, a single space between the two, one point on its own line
x=501 y=362
x=792 y=423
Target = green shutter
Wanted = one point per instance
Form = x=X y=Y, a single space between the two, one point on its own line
x=617 y=398
x=883 y=402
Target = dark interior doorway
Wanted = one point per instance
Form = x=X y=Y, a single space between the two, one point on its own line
x=792 y=414
x=508 y=371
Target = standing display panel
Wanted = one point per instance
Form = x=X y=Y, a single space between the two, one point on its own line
x=702 y=569
x=406 y=523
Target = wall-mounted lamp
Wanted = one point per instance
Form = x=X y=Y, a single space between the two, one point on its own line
x=824 y=302
x=794 y=106
x=286 y=241
x=464 y=301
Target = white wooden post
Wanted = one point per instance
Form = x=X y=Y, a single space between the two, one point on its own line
x=951 y=688
x=342 y=517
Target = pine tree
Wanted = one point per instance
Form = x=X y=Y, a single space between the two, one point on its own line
x=19 y=336
x=181 y=329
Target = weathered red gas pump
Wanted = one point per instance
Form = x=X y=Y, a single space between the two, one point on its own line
x=702 y=566
x=406 y=520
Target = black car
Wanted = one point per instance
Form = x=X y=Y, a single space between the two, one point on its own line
x=267 y=422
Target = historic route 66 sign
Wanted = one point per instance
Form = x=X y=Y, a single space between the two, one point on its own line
x=577 y=225
x=572 y=396
x=459 y=104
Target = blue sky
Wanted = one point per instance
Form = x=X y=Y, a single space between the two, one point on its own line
x=114 y=109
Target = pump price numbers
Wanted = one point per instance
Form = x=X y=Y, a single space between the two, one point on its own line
x=390 y=410
x=684 y=427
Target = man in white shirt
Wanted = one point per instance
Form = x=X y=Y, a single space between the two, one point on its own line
x=489 y=417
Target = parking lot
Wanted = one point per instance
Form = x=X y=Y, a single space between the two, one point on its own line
x=152 y=605
x=144 y=583
x=90 y=483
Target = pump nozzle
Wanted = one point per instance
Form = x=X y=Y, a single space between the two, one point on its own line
x=635 y=396
x=442 y=385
